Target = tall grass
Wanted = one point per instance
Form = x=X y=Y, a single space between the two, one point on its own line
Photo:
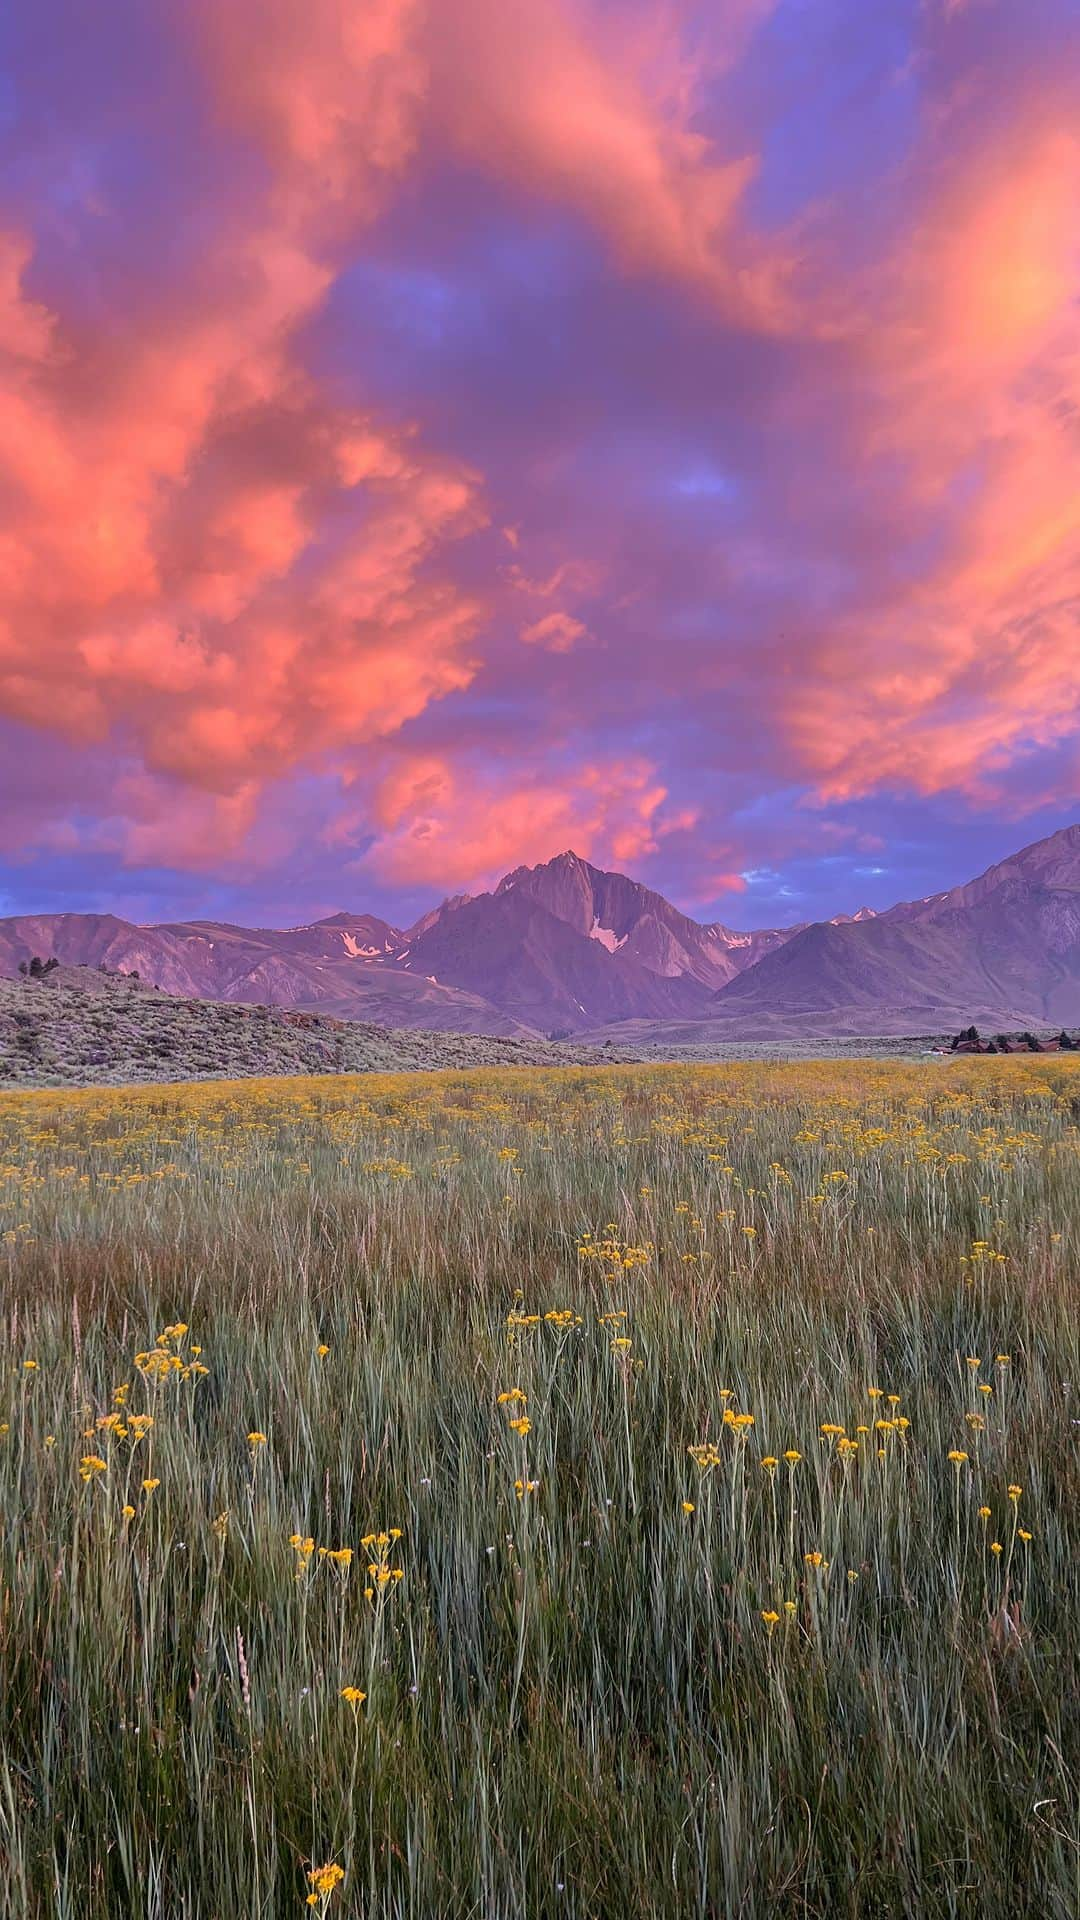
x=614 y=1677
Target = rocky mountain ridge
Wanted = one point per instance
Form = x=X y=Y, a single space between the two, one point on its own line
x=568 y=948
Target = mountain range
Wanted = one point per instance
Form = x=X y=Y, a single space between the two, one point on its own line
x=564 y=948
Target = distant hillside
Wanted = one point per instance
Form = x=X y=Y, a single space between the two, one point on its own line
x=346 y=966
x=1002 y=950
x=80 y=1027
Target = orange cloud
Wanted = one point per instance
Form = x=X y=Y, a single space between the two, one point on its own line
x=972 y=391
x=440 y=825
x=209 y=554
x=556 y=632
x=594 y=114
x=597 y=117
x=164 y=565
x=331 y=92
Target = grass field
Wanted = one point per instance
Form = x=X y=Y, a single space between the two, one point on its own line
x=590 y=1493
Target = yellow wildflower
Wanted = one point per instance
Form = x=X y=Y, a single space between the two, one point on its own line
x=323 y=1881
x=339 y=1556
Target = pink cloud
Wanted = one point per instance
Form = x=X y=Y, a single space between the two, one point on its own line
x=332 y=94
x=556 y=632
x=211 y=555
x=573 y=111
x=973 y=383
x=185 y=595
x=441 y=825
x=164 y=492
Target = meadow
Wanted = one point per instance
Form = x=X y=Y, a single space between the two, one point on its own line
x=626 y=1492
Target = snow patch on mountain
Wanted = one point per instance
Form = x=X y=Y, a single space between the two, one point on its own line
x=606 y=937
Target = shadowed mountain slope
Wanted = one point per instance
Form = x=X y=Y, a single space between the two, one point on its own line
x=1004 y=948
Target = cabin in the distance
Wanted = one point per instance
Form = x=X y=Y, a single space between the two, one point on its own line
x=970 y=1041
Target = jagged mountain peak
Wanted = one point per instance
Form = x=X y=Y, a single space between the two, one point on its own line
x=560 y=864
x=584 y=943
x=567 y=945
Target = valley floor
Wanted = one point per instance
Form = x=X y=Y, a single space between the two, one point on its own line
x=638 y=1493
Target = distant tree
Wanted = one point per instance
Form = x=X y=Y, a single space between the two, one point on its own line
x=23 y=968
x=969 y=1036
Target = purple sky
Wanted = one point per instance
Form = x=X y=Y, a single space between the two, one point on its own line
x=434 y=435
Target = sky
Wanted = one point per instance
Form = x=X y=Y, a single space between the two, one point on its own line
x=436 y=433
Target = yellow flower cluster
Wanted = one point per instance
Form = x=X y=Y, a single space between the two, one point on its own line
x=382 y=1577
x=323 y=1882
